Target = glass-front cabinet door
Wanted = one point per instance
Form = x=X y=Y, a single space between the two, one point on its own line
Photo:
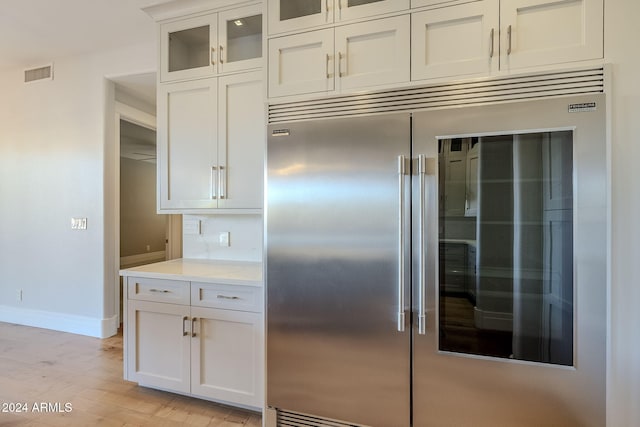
x=211 y=44
x=240 y=39
x=188 y=48
x=354 y=9
x=291 y=15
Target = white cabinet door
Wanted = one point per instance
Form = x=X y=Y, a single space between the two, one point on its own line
x=187 y=157
x=241 y=140
x=543 y=32
x=240 y=39
x=373 y=53
x=158 y=345
x=290 y=15
x=302 y=63
x=455 y=41
x=188 y=48
x=227 y=356
x=354 y=9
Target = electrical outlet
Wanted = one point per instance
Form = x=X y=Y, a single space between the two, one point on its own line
x=223 y=239
x=19 y=295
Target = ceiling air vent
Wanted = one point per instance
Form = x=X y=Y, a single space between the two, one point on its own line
x=40 y=73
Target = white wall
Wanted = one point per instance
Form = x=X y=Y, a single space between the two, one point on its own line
x=622 y=34
x=52 y=168
x=245 y=232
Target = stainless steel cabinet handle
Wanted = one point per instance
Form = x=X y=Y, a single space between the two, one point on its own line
x=422 y=290
x=226 y=297
x=340 y=56
x=193 y=327
x=164 y=291
x=220 y=56
x=401 y=273
x=214 y=182
x=213 y=56
x=509 y=40
x=327 y=67
x=222 y=182
x=491 y=43
x=184 y=330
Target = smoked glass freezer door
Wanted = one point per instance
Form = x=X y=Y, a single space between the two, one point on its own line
x=509 y=282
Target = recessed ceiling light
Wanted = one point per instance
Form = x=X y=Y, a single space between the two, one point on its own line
x=238 y=22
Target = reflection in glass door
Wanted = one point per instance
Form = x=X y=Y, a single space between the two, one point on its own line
x=506 y=284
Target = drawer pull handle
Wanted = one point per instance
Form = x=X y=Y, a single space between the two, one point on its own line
x=193 y=326
x=226 y=297
x=184 y=330
x=162 y=291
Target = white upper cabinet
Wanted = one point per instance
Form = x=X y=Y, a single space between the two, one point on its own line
x=211 y=44
x=490 y=36
x=301 y=64
x=373 y=53
x=366 y=54
x=543 y=32
x=293 y=15
x=454 y=41
x=211 y=144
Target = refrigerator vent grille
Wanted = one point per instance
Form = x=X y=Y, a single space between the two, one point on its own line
x=450 y=95
x=295 y=419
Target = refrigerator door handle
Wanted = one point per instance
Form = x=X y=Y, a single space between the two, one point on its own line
x=402 y=171
x=422 y=293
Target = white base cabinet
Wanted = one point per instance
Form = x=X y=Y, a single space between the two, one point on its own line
x=201 y=339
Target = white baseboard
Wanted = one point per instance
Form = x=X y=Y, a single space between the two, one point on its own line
x=82 y=325
x=133 y=260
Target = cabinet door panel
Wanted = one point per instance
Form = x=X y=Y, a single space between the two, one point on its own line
x=241 y=140
x=290 y=15
x=373 y=53
x=541 y=32
x=158 y=351
x=302 y=63
x=455 y=41
x=227 y=356
x=187 y=145
x=354 y=9
x=240 y=39
x=185 y=48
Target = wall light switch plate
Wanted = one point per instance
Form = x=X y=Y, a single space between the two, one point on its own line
x=78 y=223
x=223 y=239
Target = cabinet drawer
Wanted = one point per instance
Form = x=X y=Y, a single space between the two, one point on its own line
x=158 y=290
x=231 y=297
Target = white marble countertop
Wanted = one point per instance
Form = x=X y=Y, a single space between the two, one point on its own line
x=202 y=270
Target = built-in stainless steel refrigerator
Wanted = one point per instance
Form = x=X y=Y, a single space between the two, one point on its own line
x=438 y=268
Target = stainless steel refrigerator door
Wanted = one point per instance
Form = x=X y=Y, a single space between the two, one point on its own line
x=333 y=269
x=455 y=385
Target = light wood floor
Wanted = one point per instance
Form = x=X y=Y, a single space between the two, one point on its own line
x=55 y=368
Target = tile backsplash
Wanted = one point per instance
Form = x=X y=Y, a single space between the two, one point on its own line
x=201 y=237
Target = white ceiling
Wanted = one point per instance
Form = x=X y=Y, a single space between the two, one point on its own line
x=37 y=32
